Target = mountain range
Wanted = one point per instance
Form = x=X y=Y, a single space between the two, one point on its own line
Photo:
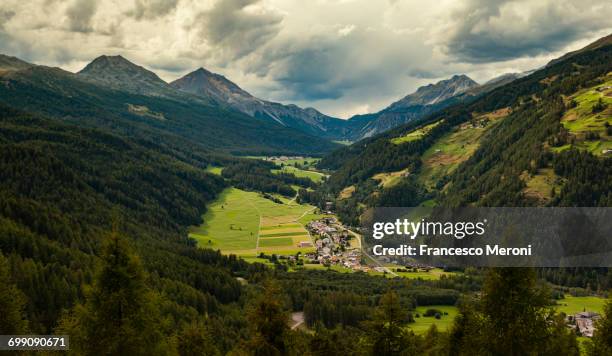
x=201 y=90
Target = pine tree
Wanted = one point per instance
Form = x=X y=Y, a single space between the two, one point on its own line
x=195 y=339
x=386 y=332
x=268 y=320
x=120 y=315
x=601 y=343
x=515 y=312
x=12 y=303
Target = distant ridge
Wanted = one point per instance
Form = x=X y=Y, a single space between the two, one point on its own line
x=218 y=88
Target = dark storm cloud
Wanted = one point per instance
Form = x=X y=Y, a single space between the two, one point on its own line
x=332 y=65
x=80 y=14
x=494 y=30
x=235 y=31
x=152 y=9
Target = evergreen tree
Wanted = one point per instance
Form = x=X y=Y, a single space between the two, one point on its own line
x=268 y=320
x=601 y=343
x=12 y=303
x=386 y=332
x=515 y=312
x=120 y=314
x=466 y=336
x=195 y=339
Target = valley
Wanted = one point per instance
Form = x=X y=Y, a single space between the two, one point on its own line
x=210 y=215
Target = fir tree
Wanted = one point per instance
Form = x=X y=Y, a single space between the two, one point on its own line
x=515 y=312
x=268 y=320
x=12 y=303
x=386 y=332
x=120 y=314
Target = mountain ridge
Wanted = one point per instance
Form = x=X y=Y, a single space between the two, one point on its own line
x=218 y=88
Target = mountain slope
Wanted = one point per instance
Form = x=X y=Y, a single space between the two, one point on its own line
x=523 y=143
x=219 y=89
x=112 y=92
x=425 y=100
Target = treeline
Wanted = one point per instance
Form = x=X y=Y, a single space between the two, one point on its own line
x=257 y=175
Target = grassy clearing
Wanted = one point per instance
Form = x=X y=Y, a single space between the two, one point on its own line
x=347 y=192
x=540 y=185
x=423 y=323
x=416 y=134
x=388 y=180
x=214 y=170
x=455 y=147
x=233 y=222
x=580 y=120
x=314 y=176
x=433 y=274
x=572 y=305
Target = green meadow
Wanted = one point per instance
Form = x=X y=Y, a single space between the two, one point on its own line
x=572 y=305
x=423 y=323
x=237 y=219
x=581 y=119
x=415 y=135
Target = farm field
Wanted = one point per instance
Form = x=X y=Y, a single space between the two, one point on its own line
x=306 y=164
x=433 y=274
x=423 y=323
x=246 y=224
x=314 y=176
x=572 y=305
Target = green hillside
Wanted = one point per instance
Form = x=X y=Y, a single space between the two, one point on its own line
x=513 y=146
x=177 y=119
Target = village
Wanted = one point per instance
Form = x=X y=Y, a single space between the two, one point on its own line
x=336 y=245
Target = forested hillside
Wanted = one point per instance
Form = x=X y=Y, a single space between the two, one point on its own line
x=512 y=147
x=158 y=113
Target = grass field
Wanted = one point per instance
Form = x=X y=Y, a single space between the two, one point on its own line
x=572 y=305
x=433 y=274
x=444 y=156
x=422 y=324
x=581 y=119
x=214 y=170
x=238 y=219
x=416 y=134
x=314 y=176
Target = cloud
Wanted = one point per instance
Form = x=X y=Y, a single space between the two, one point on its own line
x=236 y=28
x=326 y=67
x=340 y=56
x=80 y=14
x=152 y=9
x=495 y=30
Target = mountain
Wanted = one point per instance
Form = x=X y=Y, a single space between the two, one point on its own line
x=435 y=93
x=219 y=89
x=425 y=100
x=113 y=92
x=602 y=42
x=9 y=64
x=539 y=139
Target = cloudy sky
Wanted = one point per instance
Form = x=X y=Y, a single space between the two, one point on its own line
x=342 y=57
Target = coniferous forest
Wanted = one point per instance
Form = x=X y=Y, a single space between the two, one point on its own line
x=101 y=185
